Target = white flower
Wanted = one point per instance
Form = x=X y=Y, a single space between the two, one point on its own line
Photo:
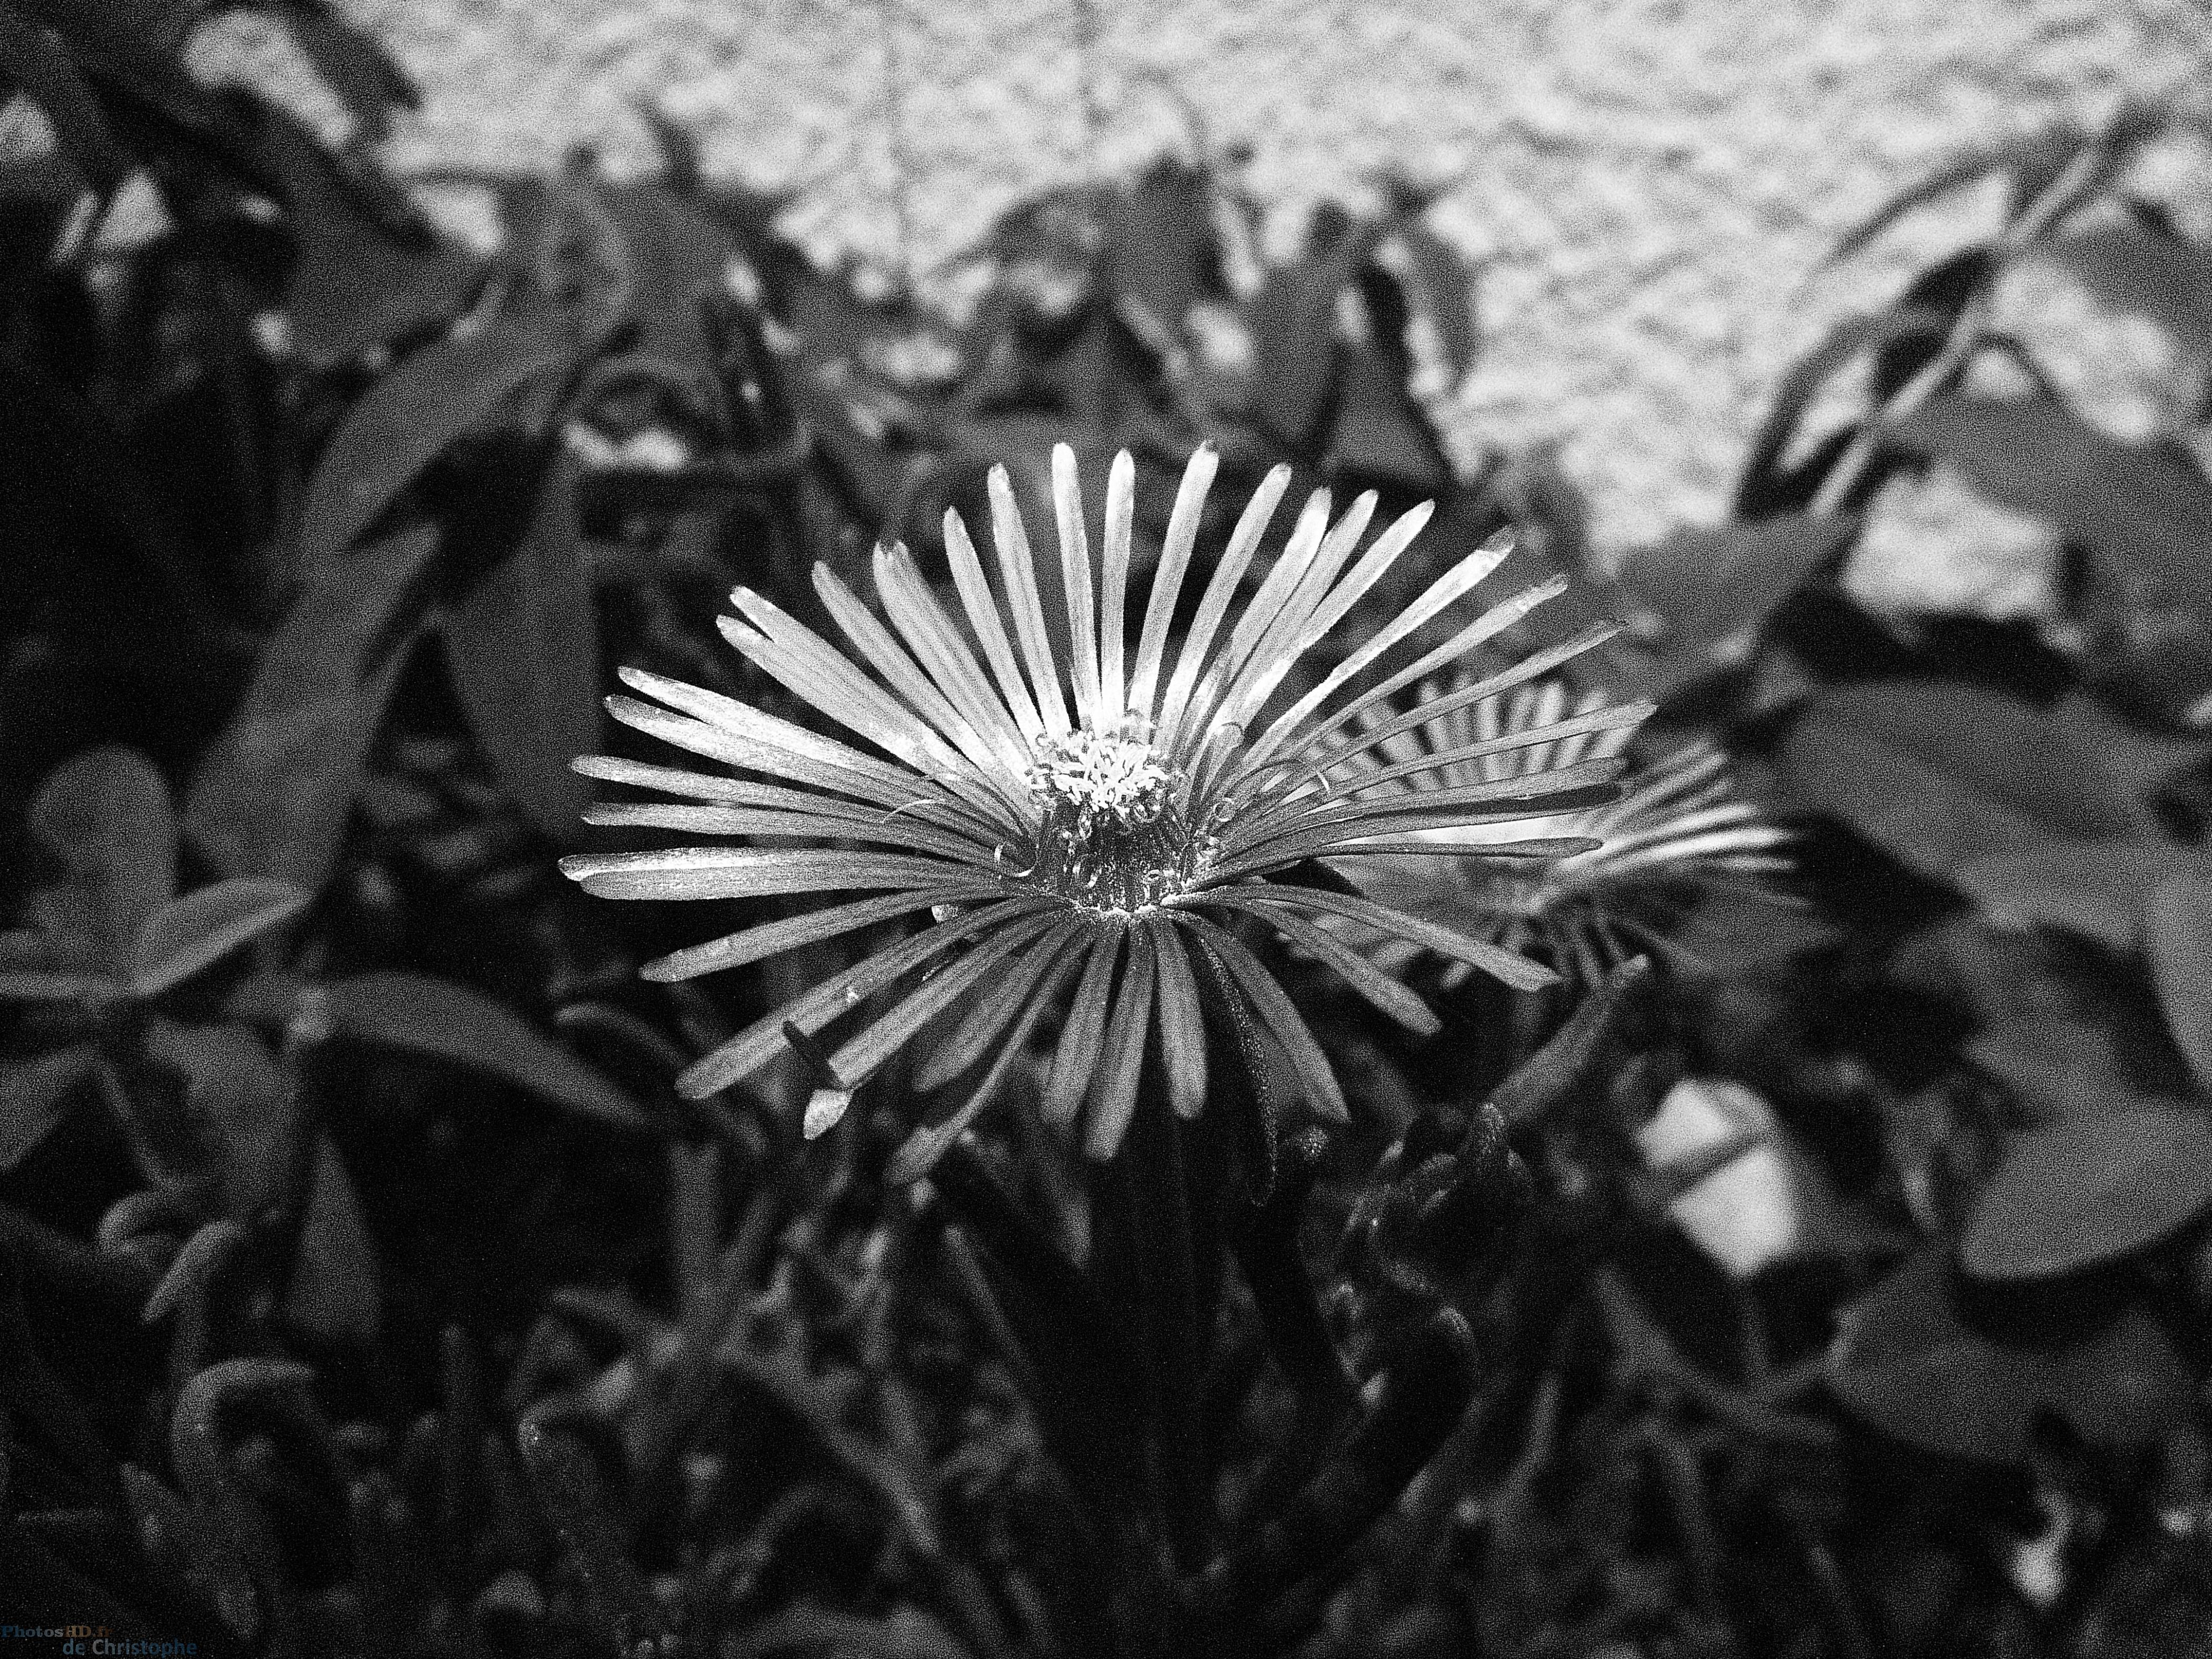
x=1080 y=831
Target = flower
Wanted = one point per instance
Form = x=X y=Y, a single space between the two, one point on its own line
x=1681 y=826
x=1081 y=823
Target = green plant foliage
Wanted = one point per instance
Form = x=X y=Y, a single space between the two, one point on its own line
x=369 y=1285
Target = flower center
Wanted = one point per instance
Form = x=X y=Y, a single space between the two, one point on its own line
x=1111 y=836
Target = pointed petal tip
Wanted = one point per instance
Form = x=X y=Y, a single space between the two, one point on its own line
x=825 y=1108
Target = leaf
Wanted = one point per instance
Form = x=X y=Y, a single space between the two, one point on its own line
x=1794 y=394
x=273 y=794
x=1715 y=588
x=2149 y=273
x=36 y=1093
x=353 y=65
x=446 y=1021
x=1294 y=321
x=104 y=817
x=2097 y=888
x=355 y=282
x=1907 y=1362
x=238 y=1138
x=2032 y=155
x=1158 y=232
x=411 y=417
x=2178 y=930
x=1940 y=774
x=2087 y=1188
x=676 y=254
x=1439 y=290
x=33 y=61
x=522 y=645
x=1378 y=433
x=188 y=933
x=334 y=1294
x=2139 y=505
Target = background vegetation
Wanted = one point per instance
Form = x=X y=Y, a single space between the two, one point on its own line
x=364 y=1286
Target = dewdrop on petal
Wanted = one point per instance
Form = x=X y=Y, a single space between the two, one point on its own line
x=1076 y=828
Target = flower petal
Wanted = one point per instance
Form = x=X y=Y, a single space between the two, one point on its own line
x=763 y=1041
x=865 y=1054
x=934 y=639
x=1037 y=979
x=1243 y=542
x=1378 y=988
x=1018 y=569
x=1182 y=1023
x=1238 y=971
x=812 y=822
x=1168 y=575
x=1075 y=576
x=750 y=945
x=1114 y=585
x=1113 y=1089
x=1085 y=1034
x=697 y=872
x=982 y=609
x=1517 y=972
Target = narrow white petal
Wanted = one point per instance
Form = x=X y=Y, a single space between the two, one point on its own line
x=1075 y=576
x=1018 y=569
x=1168 y=575
x=1113 y=583
x=1243 y=542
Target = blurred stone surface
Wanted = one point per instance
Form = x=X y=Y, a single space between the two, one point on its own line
x=1649 y=185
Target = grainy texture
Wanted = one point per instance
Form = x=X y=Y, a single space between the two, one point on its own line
x=1650 y=184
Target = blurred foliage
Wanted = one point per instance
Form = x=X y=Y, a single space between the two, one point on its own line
x=366 y=1288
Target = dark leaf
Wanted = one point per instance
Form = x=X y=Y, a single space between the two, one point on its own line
x=357 y=281
x=1908 y=1362
x=273 y=795
x=1714 y=589
x=2148 y=273
x=1942 y=774
x=135 y=45
x=104 y=817
x=334 y=1294
x=38 y=64
x=446 y=1021
x=1158 y=232
x=1850 y=339
x=2140 y=506
x=1379 y=433
x=411 y=417
x=353 y=65
x=676 y=255
x=188 y=933
x=2085 y=1188
x=2035 y=156
x=239 y=1141
x=35 y=1094
x=522 y=644
x=1438 y=286
x=2095 y=888
x=1294 y=321
x=2177 y=929
x=568 y=1487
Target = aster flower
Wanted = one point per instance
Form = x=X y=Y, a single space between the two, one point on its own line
x=1080 y=821
x=1680 y=827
